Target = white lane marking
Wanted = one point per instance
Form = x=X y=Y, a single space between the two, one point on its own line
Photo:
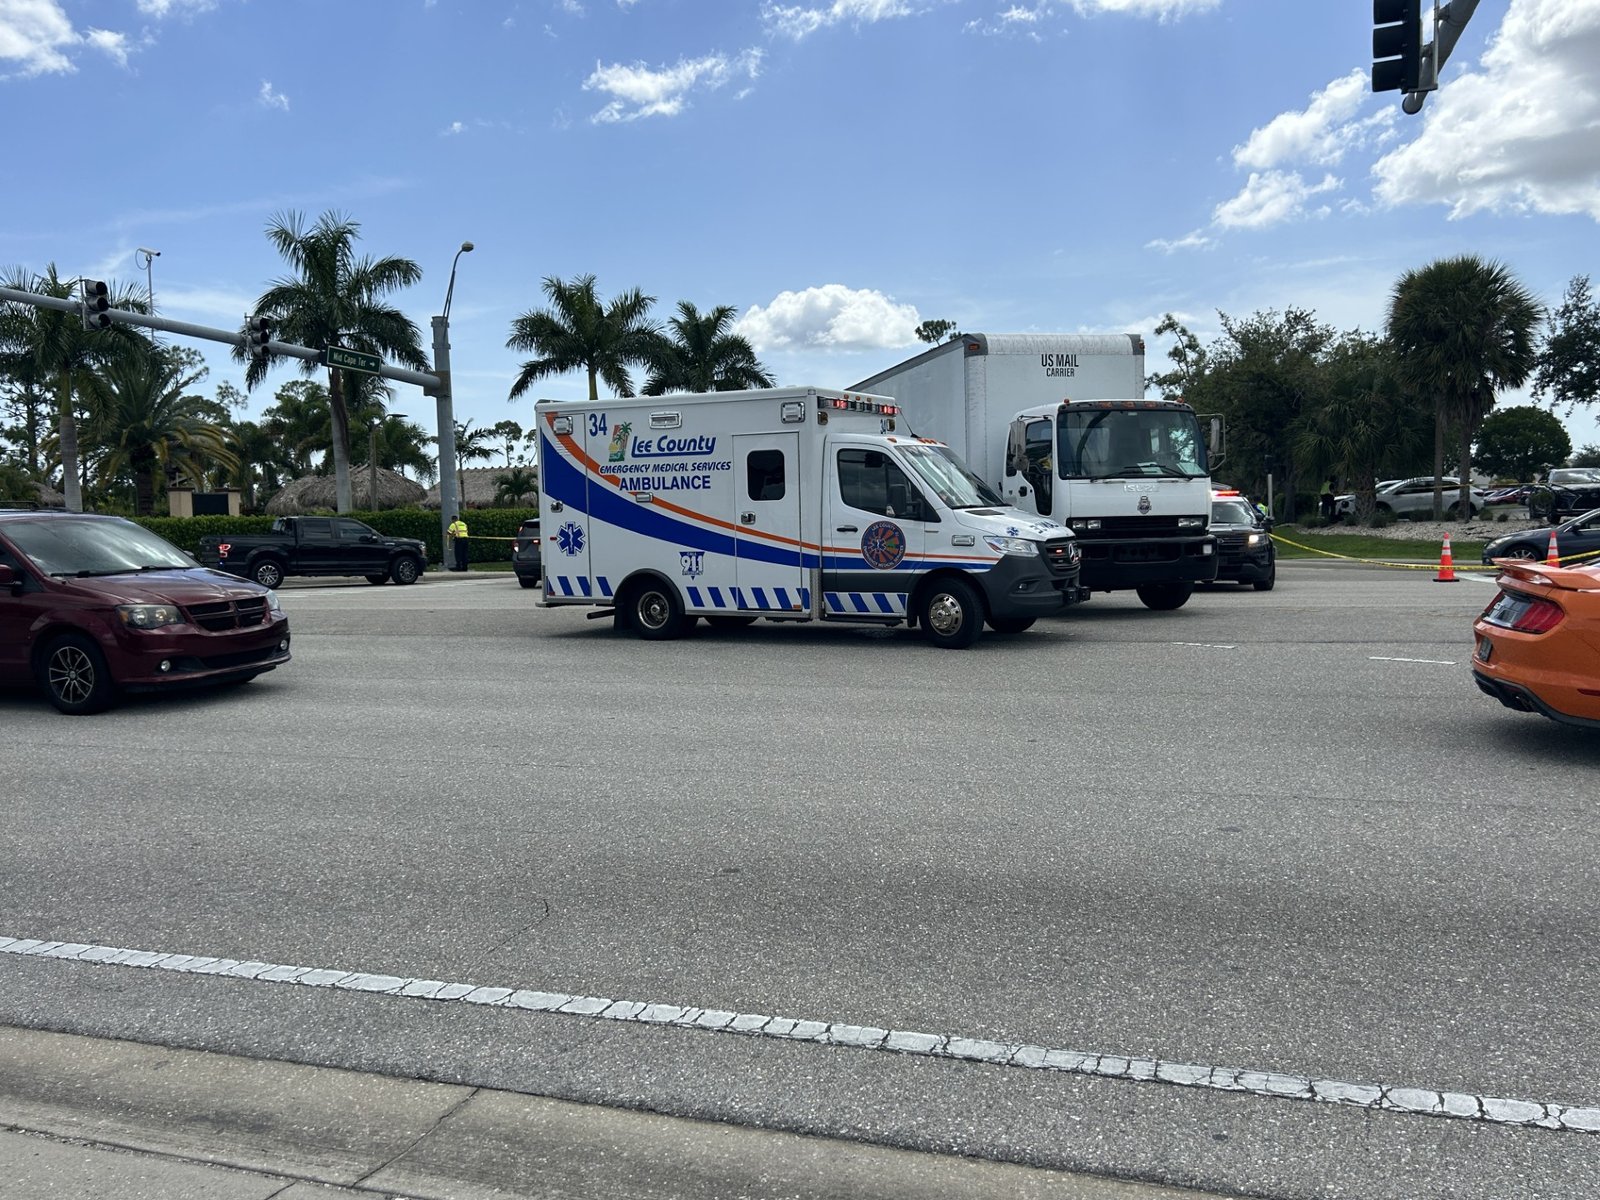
x=1206 y=645
x=1419 y=1101
x=1437 y=662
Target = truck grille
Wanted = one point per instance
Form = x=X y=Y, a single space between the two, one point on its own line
x=1134 y=527
x=229 y=614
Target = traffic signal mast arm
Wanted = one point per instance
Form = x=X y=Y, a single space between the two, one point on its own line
x=1401 y=60
x=231 y=337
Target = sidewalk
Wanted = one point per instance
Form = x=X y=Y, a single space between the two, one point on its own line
x=92 y=1119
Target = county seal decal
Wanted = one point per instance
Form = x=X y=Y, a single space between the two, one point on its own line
x=883 y=545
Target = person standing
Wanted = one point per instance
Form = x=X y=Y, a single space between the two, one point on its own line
x=458 y=542
x=1329 y=504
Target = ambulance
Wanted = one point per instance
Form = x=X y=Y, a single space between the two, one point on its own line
x=783 y=504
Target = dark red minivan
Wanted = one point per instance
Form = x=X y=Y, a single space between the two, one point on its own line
x=93 y=605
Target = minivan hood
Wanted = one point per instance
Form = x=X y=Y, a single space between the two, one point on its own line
x=1011 y=522
x=192 y=585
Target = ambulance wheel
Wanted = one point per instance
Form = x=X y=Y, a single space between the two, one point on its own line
x=655 y=612
x=952 y=613
x=1010 y=624
x=729 y=622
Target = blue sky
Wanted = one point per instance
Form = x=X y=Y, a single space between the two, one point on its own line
x=838 y=171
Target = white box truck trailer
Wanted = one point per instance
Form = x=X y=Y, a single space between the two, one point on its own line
x=1057 y=424
x=788 y=504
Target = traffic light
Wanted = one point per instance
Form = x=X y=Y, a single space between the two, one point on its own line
x=258 y=332
x=1396 y=45
x=93 y=303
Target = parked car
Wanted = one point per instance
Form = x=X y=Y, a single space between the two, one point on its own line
x=1579 y=536
x=1344 y=506
x=1566 y=490
x=316 y=546
x=1538 y=643
x=1414 y=498
x=91 y=606
x=1245 y=553
x=526 y=554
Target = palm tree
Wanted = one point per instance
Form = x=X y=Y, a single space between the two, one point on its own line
x=700 y=355
x=472 y=445
x=151 y=422
x=515 y=485
x=578 y=332
x=1463 y=331
x=335 y=300
x=301 y=423
x=54 y=345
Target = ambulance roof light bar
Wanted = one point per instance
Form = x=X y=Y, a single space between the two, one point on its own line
x=858 y=404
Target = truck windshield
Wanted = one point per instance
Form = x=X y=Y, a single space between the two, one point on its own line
x=948 y=477
x=1115 y=443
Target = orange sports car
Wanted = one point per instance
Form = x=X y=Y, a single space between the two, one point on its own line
x=1539 y=642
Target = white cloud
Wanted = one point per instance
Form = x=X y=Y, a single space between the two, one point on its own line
x=796 y=21
x=33 y=34
x=1270 y=198
x=1321 y=133
x=642 y=92
x=270 y=98
x=113 y=45
x=1189 y=241
x=454 y=128
x=832 y=316
x=1517 y=133
x=1165 y=10
x=166 y=8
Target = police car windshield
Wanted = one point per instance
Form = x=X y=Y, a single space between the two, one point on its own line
x=1232 y=512
x=948 y=477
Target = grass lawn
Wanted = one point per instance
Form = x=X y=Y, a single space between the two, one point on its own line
x=1381 y=549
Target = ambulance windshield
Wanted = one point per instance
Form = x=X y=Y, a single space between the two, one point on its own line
x=948 y=477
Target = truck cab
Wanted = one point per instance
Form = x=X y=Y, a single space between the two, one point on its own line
x=786 y=504
x=1132 y=479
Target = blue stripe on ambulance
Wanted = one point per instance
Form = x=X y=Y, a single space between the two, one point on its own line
x=781 y=600
x=889 y=604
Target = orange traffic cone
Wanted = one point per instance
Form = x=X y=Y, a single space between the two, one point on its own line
x=1447 y=568
x=1552 y=557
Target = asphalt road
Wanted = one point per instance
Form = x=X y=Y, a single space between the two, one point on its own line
x=1275 y=832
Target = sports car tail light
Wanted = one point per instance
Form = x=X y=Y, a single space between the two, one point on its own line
x=1524 y=613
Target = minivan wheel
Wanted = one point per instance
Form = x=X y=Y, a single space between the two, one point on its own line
x=268 y=573
x=951 y=613
x=654 y=611
x=405 y=569
x=73 y=673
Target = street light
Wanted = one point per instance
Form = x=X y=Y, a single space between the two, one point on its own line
x=149 y=256
x=448 y=502
x=372 y=455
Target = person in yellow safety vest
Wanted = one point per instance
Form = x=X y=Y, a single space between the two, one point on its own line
x=458 y=542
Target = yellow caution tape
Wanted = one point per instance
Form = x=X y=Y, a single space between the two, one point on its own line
x=1564 y=560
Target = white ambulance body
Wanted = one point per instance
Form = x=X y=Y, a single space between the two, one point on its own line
x=792 y=504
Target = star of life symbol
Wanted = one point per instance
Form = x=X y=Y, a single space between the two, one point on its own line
x=569 y=539
x=693 y=563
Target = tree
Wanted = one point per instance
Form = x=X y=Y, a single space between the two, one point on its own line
x=151 y=423
x=472 y=445
x=1587 y=456
x=938 y=330
x=1569 y=365
x=335 y=299
x=513 y=487
x=699 y=354
x=509 y=432
x=1522 y=442
x=53 y=345
x=301 y=422
x=578 y=332
x=1463 y=331
x=1188 y=359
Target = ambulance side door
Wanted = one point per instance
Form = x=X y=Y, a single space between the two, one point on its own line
x=872 y=532
x=768 y=568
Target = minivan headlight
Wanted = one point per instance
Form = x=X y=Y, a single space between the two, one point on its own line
x=149 y=616
x=272 y=602
x=1011 y=545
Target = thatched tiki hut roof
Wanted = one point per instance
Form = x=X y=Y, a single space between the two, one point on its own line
x=478 y=487
x=49 y=497
x=318 y=492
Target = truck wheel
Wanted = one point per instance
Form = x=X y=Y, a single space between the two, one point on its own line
x=73 y=672
x=268 y=572
x=1011 y=624
x=952 y=613
x=654 y=611
x=376 y=579
x=406 y=569
x=1163 y=597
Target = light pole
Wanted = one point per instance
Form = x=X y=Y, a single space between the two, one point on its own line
x=448 y=501
x=149 y=256
x=372 y=455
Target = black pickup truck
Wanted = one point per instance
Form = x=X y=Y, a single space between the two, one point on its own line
x=315 y=546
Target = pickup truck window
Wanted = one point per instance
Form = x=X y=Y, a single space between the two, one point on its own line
x=316 y=527
x=354 y=531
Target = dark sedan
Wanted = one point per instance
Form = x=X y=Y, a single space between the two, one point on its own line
x=1577 y=542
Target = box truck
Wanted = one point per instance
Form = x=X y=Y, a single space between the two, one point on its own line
x=784 y=504
x=1058 y=425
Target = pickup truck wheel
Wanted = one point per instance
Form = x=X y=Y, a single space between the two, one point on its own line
x=268 y=572
x=73 y=672
x=654 y=611
x=377 y=579
x=406 y=569
x=951 y=613
x=1164 y=597
x=1011 y=624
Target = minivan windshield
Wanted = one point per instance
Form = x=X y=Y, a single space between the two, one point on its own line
x=94 y=546
x=947 y=477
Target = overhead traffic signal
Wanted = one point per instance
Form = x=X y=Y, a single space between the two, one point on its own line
x=93 y=303
x=1396 y=45
x=258 y=332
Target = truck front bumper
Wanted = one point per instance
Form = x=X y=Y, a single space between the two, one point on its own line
x=1111 y=565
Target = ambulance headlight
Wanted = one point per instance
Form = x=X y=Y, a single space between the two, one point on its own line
x=1011 y=545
